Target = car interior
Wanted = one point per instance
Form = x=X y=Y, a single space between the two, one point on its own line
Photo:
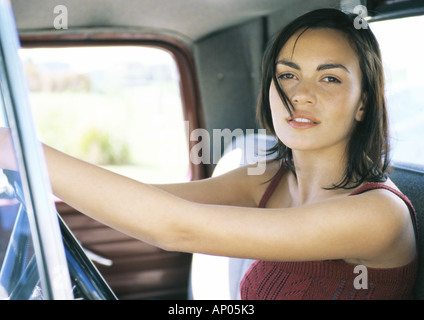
x=216 y=48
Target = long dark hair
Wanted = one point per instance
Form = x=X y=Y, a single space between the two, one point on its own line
x=368 y=148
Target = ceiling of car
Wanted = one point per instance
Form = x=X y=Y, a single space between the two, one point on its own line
x=191 y=19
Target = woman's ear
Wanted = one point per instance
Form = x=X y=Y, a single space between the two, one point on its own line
x=360 y=111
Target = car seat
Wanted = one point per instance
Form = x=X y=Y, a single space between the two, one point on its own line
x=215 y=277
x=410 y=180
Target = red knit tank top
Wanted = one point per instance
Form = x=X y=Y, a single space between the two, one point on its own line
x=328 y=279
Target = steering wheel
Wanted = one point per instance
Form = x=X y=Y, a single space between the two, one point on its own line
x=19 y=277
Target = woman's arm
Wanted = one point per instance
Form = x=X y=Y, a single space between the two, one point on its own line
x=187 y=217
x=364 y=227
x=141 y=210
x=368 y=227
x=233 y=189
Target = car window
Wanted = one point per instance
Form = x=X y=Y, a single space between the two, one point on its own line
x=115 y=106
x=402 y=53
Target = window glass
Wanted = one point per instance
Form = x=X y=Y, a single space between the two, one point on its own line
x=118 y=107
x=402 y=53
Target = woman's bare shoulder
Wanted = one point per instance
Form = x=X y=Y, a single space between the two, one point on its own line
x=259 y=183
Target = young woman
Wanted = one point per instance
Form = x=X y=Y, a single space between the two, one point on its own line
x=329 y=204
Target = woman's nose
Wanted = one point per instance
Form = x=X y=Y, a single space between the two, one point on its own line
x=303 y=94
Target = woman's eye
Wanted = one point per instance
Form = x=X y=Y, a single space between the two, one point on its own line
x=286 y=76
x=332 y=80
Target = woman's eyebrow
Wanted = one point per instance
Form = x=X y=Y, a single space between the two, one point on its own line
x=332 y=66
x=321 y=67
x=289 y=64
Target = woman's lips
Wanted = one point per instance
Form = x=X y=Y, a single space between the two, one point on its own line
x=302 y=120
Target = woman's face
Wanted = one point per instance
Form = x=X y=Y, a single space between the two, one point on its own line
x=320 y=74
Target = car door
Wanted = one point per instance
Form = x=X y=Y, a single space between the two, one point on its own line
x=116 y=104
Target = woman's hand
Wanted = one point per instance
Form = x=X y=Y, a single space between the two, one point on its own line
x=7 y=154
